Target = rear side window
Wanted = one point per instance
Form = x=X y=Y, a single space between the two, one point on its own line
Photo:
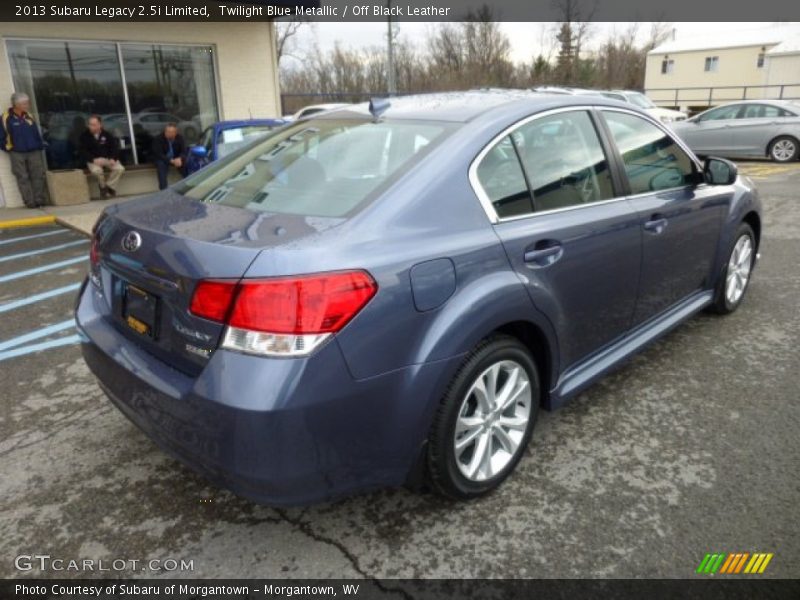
x=319 y=167
x=500 y=174
x=653 y=160
x=562 y=165
x=763 y=111
x=564 y=161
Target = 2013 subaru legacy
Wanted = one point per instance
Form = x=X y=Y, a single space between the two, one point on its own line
x=388 y=294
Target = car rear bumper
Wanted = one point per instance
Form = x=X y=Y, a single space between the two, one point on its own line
x=278 y=431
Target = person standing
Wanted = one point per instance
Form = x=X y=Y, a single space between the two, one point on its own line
x=21 y=139
x=99 y=149
x=168 y=150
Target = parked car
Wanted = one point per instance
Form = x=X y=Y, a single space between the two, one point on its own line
x=747 y=129
x=223 y=137
x=368 y=298
x=665 y=115
x=314 y=109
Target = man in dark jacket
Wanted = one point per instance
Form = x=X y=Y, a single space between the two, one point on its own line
x=168 y=150
x=21 y=139
x=100 y=151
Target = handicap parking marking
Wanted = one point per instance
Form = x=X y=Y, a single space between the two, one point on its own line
x=66 y=289
x=55 y=248
x=30 y=349
x=34 y=236
x=43 y=269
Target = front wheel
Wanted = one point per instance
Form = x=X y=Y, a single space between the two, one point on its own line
x=784 y=149
x=736 y=276
x=485 y=419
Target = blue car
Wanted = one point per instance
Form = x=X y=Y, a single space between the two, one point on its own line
x=388 y=294
x=224 y=137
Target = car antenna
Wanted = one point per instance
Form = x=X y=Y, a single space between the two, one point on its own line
x=378 y=106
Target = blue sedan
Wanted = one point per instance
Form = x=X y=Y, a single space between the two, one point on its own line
x=388 y=294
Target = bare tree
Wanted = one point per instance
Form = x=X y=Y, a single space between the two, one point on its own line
x=285 y=32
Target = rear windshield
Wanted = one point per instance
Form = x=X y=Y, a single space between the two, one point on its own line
x=319 y=167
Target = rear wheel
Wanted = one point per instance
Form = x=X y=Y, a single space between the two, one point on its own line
x=485 y=419
x=784 y=149
x=736 y=275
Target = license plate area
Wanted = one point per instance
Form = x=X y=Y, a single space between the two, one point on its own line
x=139 y=310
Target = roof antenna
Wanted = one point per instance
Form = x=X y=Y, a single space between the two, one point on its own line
x=378 y=106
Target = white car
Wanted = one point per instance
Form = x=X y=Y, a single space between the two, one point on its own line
x=314 y=109
x=665 y=115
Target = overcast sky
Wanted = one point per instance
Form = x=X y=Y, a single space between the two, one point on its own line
x=526 y=38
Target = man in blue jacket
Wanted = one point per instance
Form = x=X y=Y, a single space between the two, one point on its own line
x=21 y=139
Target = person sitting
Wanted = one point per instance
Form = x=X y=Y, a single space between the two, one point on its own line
x=99 y=149
x=168 y=150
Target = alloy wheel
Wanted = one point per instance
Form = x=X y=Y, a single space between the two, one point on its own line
x=783 y=150
x=492 y=420
x=739 y=267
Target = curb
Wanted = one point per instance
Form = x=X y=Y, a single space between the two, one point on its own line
x=68 y=225
x=28 y=222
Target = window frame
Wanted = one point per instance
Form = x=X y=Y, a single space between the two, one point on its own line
x=667 y=66
x=618 y=185
x=711 y=64
x=620 y=163
x=119 y=45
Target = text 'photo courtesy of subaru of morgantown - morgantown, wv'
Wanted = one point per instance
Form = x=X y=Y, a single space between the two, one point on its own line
x=387 y=294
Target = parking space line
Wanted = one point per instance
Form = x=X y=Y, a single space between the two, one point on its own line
x=42 y=250
x=37 y=334
x=38 y=297
x=31 y=237
x=42 y=269
x=64 y=341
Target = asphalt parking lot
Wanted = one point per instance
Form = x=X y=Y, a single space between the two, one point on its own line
x=690 y=448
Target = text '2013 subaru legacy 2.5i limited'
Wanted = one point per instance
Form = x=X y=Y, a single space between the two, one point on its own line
x=388 y=293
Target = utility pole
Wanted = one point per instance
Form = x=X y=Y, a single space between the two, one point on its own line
x=390 y=79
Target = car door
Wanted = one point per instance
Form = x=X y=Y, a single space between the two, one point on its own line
x=711 y=132
x=573 y=241
x=756 y=126
x=680 y=216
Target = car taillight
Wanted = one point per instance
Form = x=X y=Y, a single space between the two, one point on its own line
x=94 y=262
x=285 y=316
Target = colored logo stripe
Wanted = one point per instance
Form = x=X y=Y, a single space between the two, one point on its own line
x=735 y=563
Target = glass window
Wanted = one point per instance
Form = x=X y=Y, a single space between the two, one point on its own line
x=722 y=113
x=321 y=167
x=169 y=84
x=67 y=82
x=653 y=161
x=667 y=66
x=501 y=177
x=641 y=100
x=762 y=111
x=564 y=161
x=712 y=63
x=760 y=61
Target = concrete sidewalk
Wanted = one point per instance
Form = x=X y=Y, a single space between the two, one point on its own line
x=80 y=217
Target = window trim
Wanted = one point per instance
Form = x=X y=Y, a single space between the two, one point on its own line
x=607 y=144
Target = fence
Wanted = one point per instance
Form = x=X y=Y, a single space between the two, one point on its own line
x=710 y=95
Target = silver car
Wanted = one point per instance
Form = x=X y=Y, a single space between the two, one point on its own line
x=747 y=129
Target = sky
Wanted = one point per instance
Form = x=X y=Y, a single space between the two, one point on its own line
x=526 y=38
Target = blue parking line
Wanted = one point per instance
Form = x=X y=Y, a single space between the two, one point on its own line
x=42 y=250
x=63 y=341
x=38 y=297
x=31 y=237
x=42 y=269
x=35 y=335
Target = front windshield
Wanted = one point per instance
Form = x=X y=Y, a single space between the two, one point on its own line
x=320 y=167
x=641 y=100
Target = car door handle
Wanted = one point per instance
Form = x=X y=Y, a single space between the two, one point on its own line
x=656 y=224
x=544 y=256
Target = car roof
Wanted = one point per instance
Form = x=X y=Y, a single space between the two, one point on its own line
x=247 y=122
x=465 y=106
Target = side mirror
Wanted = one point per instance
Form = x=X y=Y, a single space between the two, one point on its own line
x=199 y=151
x=719 y=171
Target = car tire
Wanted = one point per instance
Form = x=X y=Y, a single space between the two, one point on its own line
x=784 y=149
x=477 y=439
x=737 y=272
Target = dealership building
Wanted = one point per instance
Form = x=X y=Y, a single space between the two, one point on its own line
x=138 y=77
